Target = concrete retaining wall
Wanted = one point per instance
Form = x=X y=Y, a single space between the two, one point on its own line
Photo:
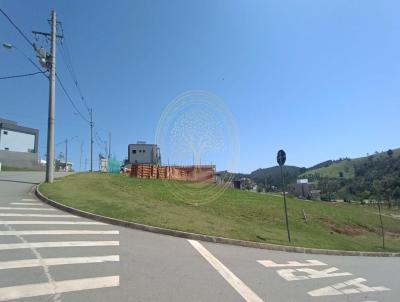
x=19 y=159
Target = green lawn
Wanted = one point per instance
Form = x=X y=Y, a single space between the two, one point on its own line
x=345 y=166
x=332 y=171
x=234 y=214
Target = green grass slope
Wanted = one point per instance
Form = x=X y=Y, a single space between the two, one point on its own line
x=234 y=214
x=345 y=166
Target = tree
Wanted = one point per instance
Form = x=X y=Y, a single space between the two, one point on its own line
x=390 y=153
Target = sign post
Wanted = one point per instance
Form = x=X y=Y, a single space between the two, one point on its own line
x=281 y=159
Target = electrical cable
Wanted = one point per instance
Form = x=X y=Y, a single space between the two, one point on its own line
x=16 y=27
x=21 y=75
x=70 y=99
x=66 y=56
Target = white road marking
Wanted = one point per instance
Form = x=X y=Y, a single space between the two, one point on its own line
x=288 y=274
x=41 y=289
x=46 y=271
x=36 y=215
x=269 y=263
x=12 y=246
x=28 y=199
x=230 y=277
x=58 y=232
x=353 y=286
x=51 y=222
x=25 y=209
x=27 y=203
x=56 y=261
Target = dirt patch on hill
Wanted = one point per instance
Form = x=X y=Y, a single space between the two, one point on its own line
x=347 y=230
x=350 y=230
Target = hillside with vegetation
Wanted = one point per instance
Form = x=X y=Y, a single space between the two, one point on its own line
x=269 y=178
x=343 y=167
x=375 y=177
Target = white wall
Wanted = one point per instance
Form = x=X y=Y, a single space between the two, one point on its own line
x=16 y=141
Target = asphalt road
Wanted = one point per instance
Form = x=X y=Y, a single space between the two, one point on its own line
x=50 y=255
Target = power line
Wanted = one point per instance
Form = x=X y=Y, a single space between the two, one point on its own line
x=21 y=75
x=99 y=137
x=70 y=99
x=70 y=66
x=33 y=63
x=25 y=37
x=17 y=28
x=71 y=71
x=100 y=142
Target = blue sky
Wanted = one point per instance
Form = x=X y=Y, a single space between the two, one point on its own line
x=319 y=79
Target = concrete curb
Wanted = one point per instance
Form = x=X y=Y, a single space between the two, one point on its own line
x=206 y=238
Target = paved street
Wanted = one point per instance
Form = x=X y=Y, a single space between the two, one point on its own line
x=50 y=255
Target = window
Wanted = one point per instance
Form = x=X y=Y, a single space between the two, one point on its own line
x=6 y=148
x=144 y=151
x=134 y=151
x=140 y=151
x=5 y=132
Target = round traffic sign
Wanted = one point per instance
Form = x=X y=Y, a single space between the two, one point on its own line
x=281 y=157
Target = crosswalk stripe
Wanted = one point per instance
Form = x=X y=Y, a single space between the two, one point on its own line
x=50 y=222
x=58 y=232
x=56 y=261
x=12 y=246
x=36 y=215
x=40 y=289
x=242 y=289
x=27 y=203
x=25 y=209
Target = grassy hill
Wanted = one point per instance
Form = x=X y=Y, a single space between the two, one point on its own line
x=332 y=169
x=233 y=214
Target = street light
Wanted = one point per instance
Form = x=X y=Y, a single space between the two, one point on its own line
x=7 y=45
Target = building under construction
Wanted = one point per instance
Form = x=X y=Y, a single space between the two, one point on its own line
x=145 y=160
x=191 y=173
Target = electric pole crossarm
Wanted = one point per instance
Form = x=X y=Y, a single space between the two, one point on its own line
x=46 y=34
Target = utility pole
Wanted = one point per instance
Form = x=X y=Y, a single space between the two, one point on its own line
x=109 y=145
x=91 y=139
x=66 y=155
x=52 y=95
x=80 y=158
